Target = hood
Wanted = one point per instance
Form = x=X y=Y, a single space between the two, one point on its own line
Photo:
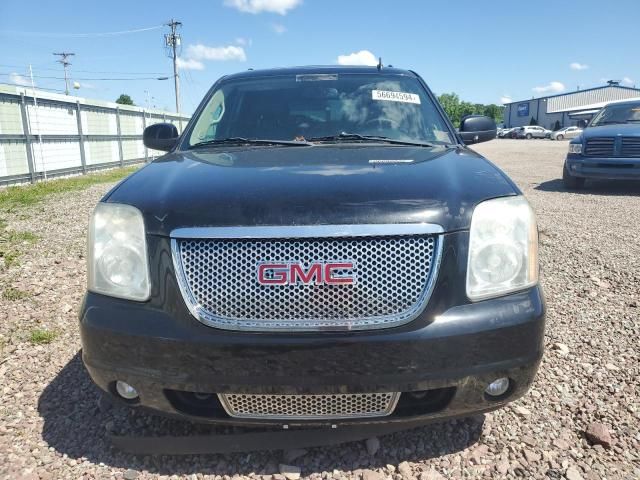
x=622 y=129
x=318 y=185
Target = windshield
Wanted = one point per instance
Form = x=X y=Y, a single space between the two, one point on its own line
x=310 y=106
x=617 y=114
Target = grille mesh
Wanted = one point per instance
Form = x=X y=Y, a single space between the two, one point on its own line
x=392 y=276
x=309 y=406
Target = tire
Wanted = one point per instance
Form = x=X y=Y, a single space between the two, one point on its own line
x=528 y=136
x=571 y=183
x=560 y=137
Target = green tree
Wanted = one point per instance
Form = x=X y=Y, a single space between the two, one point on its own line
x=456 y=109
x=451 y=104
x=556 y=126
x=533 y=121
x=125 y=99
x=494 y=111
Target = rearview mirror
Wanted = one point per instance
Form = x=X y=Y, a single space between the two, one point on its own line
x=160 y=136
x=477 y=128
x=582 y=123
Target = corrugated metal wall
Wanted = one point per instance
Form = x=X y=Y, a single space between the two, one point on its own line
x=588 y=97
x=52 y=139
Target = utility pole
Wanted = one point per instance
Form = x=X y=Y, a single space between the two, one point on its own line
x=65 y=63
x=173 y=41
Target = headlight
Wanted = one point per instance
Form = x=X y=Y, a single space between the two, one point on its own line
x=575 y=148
x=117 y=258
x=503 y=248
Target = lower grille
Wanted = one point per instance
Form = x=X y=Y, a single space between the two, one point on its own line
x=599 y=147
x=309 y=407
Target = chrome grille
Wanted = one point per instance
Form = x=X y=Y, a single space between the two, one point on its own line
x=630 y=147
x=599 y=147
x=307 y=407
x=394 y=276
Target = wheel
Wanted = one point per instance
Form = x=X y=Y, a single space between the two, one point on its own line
x=560 y=137
x=528 y=136
x=570 y=182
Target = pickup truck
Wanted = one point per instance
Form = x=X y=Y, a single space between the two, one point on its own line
x=607 y=149
x=318 y=247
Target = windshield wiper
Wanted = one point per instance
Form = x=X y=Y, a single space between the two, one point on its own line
x=248 y=141
x=344 y=136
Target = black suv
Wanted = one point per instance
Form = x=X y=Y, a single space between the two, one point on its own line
x=607 y=149
x=319 y=247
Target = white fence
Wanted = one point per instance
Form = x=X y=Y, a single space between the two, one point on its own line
x=67 y=135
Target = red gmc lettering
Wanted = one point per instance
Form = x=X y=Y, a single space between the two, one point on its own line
x=329 y=269
x=298 y=273
x=293 y=273
x=278 y=274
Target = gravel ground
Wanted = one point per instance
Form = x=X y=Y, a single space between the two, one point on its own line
x=53 y=422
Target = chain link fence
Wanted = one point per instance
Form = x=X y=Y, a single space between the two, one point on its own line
x=47 y=135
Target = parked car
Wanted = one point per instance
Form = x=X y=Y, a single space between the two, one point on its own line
x=533 y=131
x=608 y=148
x=319 y=247
x=567 y=132
x=513 y=133
x=504 y=133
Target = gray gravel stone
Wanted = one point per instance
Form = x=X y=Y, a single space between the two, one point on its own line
x=373 y=445
x=573 y=474
x=290 y=472
x=130 y=475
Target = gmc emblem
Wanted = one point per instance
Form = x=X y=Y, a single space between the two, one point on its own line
x=318 y=273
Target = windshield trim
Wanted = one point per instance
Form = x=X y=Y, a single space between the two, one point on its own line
x=183 y=142
x=612 y=106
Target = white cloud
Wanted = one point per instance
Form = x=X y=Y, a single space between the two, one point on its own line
x=189 y=64
x=258 y=6
x=244 y=41
x=278 y=28
x=552 y=87
x=505 y=99
x=203 y=52
x=627 y=81
x=578 y=66
x=363 y=57
x=19 y=79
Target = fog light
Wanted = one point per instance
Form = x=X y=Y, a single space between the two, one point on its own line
x=126 y=391
x=498 y=387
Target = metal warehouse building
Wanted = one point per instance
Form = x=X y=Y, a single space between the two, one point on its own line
x=566 y=108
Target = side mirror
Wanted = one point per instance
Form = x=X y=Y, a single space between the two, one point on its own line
x=582 y=124
x=477 y=128
x=160 y=136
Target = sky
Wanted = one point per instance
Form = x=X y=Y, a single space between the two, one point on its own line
x=486 y=52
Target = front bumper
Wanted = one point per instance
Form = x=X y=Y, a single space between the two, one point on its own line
x=454 y=356
x=614 y=168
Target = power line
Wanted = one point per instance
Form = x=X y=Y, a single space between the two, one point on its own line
x=57 y=90
x=89 y=79
x=87 y=71
x=65 y=63
x=79 y=35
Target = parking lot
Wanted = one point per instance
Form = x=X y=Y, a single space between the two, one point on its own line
x=53 y=423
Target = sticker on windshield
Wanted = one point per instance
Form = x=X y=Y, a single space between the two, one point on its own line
x=395 y=96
